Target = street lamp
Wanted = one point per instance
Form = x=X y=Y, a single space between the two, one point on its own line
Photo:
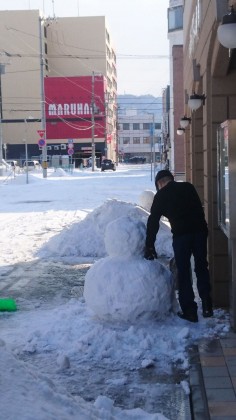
x=227 y=30
x=196 y=101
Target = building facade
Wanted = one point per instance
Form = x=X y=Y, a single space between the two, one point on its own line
x=35 y=50
x=210 y=72
x=176 y=150
x=139 y=135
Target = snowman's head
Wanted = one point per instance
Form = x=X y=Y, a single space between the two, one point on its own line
x=125 y=236
x=146 y=199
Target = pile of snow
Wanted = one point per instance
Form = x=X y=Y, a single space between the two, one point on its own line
x=86 y=238
x=110 y=283
x=58 y=172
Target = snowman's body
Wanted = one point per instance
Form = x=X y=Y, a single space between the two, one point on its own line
x=124 y=286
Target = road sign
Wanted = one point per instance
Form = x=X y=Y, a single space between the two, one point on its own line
x=70 y=151
x=41 y=133
x=41 y=142
x=70 y=141
x=70 y=145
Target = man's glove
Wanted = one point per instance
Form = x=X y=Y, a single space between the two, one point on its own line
x=150 y=253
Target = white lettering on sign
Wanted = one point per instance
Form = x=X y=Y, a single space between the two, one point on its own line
x=69 y=109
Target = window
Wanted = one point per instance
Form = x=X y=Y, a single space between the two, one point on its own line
x=136 y=140
x=157 y=126
x=136 y=126
x=146 y=140
x=126 y=126
x=126 y=140
x=146 y=126
x=175 y=18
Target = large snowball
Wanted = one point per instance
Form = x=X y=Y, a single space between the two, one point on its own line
x=146 y=199
x=125 y=236
x=124 y=289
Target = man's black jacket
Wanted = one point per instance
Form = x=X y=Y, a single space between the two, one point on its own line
x=181 y=205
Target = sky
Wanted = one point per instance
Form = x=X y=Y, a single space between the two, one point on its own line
x=102 y=351
x=139 y=32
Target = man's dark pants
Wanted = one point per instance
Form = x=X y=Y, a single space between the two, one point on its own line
x=184 y=246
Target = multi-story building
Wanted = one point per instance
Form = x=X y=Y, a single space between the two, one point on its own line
x=63 y=52
x=210 y=86
x=139 y=135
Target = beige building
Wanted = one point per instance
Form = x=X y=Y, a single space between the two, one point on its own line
x=210 y=72
x=71 y=46
x=139 y=135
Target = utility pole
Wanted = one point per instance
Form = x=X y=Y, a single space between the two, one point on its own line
x=106 y=104
x=92 y=106
x=152 y=151
x=2 y=71
x=43 y=118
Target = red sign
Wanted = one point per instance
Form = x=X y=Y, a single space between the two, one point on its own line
x=41 y=133
x=68 y=107
x=70 y=151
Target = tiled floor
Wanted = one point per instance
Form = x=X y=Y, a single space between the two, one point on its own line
x=213 y=379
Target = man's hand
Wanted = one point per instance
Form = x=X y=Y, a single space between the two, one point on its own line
x=150 y=253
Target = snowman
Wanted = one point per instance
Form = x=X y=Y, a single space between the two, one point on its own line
x=124 y=286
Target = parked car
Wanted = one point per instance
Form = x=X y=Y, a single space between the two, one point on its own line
x=137 y=159
x=108 y=164
x=32 y=164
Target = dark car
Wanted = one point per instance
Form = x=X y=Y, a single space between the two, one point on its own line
x=137 y=159
x=108 y=164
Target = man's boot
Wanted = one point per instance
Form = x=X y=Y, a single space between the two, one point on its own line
x=207 y=310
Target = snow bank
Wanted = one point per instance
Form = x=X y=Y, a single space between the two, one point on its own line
x=86 y=238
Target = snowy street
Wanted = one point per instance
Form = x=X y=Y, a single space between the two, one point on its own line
x=58 y=359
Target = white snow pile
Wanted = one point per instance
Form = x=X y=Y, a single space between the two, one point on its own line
x=86 y=238
x=58 y=172
x=124 y=286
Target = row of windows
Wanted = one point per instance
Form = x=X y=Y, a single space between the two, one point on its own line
x=136 y=140
x=139 y=126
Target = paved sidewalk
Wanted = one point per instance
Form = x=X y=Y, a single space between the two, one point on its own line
x=213 y=379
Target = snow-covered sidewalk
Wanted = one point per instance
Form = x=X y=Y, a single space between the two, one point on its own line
x=58 y=360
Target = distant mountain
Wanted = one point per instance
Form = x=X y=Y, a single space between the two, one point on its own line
x=143 y=104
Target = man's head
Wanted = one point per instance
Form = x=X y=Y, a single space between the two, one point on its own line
x=162 y=178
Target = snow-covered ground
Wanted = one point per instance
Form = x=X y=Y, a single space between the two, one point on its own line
x=59 y=358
